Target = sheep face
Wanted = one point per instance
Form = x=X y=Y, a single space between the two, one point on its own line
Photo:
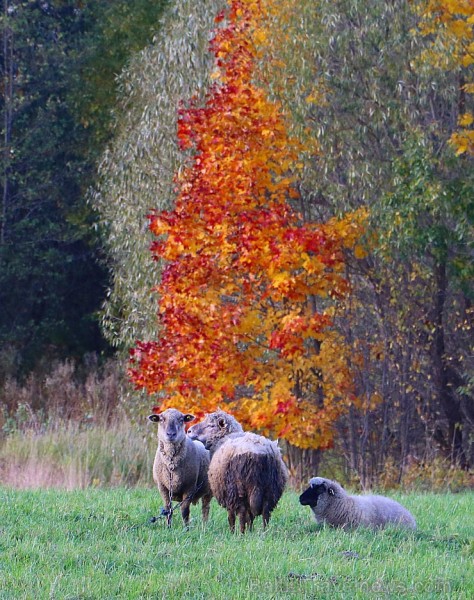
x=214 y=428
x=318 y=493
x=171 y=424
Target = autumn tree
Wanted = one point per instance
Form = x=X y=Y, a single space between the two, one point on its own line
x=250 y=292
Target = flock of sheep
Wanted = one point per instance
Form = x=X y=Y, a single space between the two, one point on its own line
x=246 y=474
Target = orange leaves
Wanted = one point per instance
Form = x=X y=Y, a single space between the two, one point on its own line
x=243 y=297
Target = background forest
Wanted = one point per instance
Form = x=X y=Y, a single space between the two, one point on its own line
x=376 y=98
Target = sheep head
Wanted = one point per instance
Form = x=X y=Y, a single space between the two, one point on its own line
x=320 y=490
x=214 y=428
x=171 y=425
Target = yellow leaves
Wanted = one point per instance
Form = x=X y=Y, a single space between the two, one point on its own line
x=466 y=119
x=350 y=228
x=251 y=322
x=444 y=10
x=460 y=29
x=281 y=390
x=463 y=142
x=468 y=59
x=158 y=225
x=280 y=280
x=359 y=252
x=311 y=264
x=374 y=400
x=260 y=36
x=451 y=22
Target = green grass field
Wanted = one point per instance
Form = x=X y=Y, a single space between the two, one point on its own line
x=99 y=544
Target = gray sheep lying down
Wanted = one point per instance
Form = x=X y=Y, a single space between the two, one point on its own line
x=180 y=466
x=247 y=474
x=331 y=504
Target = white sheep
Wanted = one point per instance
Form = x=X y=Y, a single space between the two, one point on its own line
x=247 y=474
x=180 y=466
x=331 y=504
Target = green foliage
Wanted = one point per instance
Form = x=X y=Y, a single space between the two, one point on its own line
x=99 y=544
x=45 y=256
x=59 y=64
x=429 y=215
x=113 y=33
x=137 y=171
x=360 y=57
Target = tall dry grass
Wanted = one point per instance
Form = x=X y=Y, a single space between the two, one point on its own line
x=86 y=391
x=68 y=455
x=68 y=429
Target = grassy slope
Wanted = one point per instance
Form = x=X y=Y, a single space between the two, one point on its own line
x=99 y=544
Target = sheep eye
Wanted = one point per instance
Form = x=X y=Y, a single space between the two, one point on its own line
x=221 y=423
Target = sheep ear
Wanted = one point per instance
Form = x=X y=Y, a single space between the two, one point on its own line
x=154 y=418
x=331 y=491
x=188 y=418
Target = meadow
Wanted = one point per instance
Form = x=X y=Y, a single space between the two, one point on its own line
x=99 y=544
x=76 y=498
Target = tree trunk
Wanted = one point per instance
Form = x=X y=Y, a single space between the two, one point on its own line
x=444 y=383
x=302 y=464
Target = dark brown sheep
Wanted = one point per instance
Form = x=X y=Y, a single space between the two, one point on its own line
x=247 y=474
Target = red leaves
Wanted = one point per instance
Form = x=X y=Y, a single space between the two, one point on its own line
x=284 y=408
x=220 y=17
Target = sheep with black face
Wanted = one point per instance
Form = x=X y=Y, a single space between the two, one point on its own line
x=247 y=474
x=331 y=504
x=181 y=465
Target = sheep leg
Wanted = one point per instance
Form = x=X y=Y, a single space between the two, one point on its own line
x=169 y=510
x=185 y=510
x=206 y=502
x=243 y=519
x=167 y=501
x=256 y=501
x=255 y=505
x=250 y=522
x=265 y=516
x=231 y=519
